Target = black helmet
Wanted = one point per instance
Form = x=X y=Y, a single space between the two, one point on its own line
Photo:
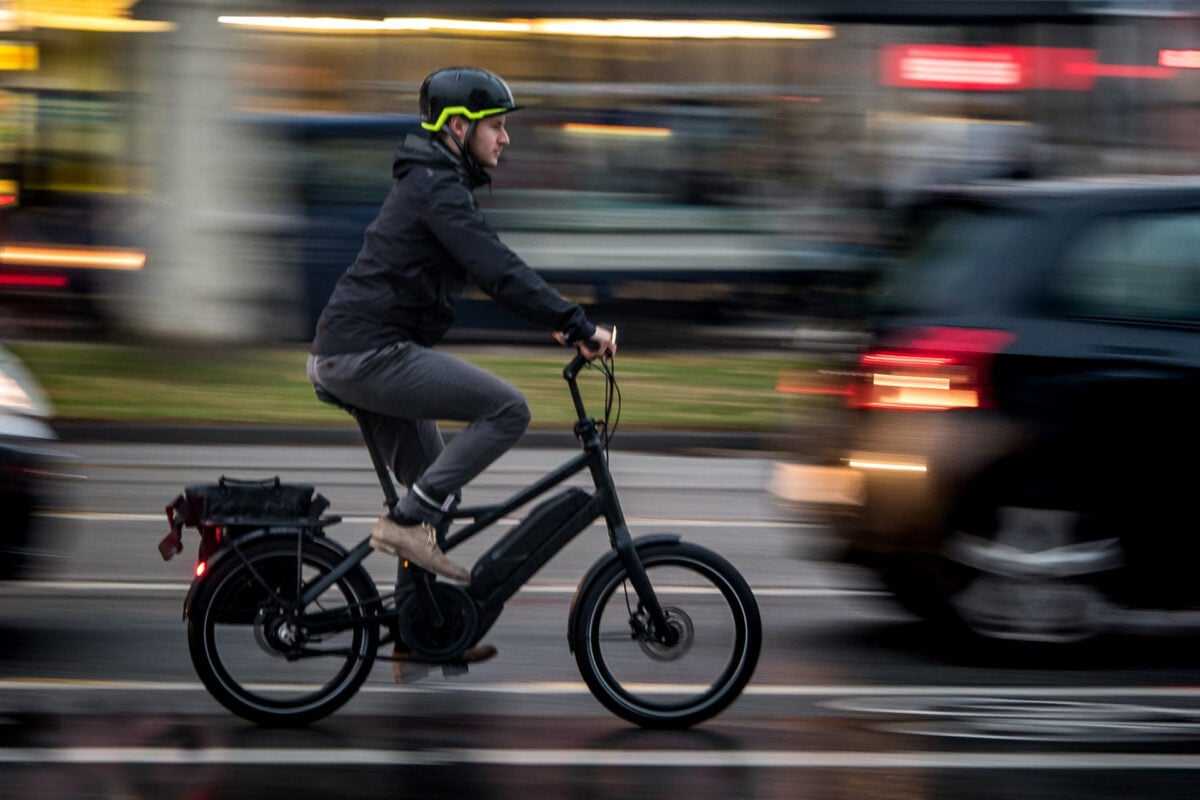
x=470 y=91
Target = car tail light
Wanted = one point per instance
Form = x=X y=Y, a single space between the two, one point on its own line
x=930 y=369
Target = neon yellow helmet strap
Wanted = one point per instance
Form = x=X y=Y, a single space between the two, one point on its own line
x=452 y=111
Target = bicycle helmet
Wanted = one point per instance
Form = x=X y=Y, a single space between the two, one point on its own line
x=468 y=91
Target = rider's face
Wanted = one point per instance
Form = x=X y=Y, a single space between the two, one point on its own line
x=489 y=139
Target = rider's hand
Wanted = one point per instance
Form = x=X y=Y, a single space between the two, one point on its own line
x=602 y=343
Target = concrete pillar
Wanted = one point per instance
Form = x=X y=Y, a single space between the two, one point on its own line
x=214 y=272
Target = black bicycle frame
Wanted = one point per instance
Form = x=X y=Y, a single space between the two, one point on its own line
x=543 y=544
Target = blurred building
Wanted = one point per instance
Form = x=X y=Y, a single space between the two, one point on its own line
x=151 y=178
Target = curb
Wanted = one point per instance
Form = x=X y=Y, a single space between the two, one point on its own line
x=640 y=441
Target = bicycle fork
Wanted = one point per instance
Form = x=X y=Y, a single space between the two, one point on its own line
x=623 y=544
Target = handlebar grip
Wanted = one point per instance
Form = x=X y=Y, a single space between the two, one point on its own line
x=594 y=345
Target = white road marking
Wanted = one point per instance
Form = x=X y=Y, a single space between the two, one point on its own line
x=565 y=589
x=522 y=688
x=122 y=516
x=710 y=759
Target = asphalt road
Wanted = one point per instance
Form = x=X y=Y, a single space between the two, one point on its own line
x=852 y=697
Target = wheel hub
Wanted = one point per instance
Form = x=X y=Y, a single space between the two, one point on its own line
x=685 y=633
x=275 y=633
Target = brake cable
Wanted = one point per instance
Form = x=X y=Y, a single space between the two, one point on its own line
x=612 y=399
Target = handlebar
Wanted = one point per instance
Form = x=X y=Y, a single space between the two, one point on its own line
x=571 y=372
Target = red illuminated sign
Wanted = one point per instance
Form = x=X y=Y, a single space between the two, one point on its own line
x=1007 y=69
x=964 y=68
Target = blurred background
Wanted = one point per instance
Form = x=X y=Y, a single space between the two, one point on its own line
x=203 y=170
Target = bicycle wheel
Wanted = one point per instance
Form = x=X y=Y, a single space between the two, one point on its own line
x=711 y=608
x=270 y=666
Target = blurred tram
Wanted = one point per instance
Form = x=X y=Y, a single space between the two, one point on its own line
x=672 y=252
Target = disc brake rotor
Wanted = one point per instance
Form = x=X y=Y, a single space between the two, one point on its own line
x=685 y=632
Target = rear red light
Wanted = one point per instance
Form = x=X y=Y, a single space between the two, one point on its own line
x=930 y=369
x=36 y=281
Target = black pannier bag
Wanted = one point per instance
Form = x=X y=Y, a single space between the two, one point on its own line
x=232 y=507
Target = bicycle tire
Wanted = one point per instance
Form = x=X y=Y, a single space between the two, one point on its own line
x=653 y=685
x=261 y=666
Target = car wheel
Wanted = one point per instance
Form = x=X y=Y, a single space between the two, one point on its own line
x=1029 y=555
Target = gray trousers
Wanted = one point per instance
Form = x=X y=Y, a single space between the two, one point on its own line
x=406 y=388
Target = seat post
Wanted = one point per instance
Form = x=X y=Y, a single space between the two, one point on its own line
x=381 y=469
x=364 y=427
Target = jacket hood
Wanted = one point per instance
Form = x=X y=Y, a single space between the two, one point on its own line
x=417 y=150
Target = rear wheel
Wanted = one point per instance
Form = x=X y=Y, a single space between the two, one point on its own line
x=267 y=661
x=1030 y=552
x=717 y=627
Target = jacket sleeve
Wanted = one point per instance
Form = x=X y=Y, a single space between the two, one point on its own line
x=460 y=227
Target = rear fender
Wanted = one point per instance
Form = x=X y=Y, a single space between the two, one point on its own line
x=603 y=563
x=196 y=592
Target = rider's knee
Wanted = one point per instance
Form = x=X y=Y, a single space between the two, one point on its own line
x=514 y=415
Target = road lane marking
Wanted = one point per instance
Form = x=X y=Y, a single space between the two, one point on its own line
x=121 y=516
x=31 y=684
x=709 y=759
x=566 y=589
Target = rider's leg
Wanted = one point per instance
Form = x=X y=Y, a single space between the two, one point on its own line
x=408 y=381
x=410 y=446
x=427 y=384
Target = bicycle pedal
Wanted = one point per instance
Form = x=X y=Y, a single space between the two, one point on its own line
x=454 y=670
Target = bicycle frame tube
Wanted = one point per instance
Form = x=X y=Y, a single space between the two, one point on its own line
x=484 y=516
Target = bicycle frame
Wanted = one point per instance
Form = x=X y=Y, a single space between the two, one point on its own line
x=543 y=544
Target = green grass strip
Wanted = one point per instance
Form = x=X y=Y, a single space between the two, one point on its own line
x=726 y=392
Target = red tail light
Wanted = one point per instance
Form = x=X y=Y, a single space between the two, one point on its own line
x=930 y=369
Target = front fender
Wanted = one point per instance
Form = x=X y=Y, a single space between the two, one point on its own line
x=252 y=539
x=603 y=562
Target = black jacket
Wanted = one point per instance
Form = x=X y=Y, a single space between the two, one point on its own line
x=417 y=256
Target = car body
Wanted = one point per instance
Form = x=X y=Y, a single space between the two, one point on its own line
x=1024 y=416
x=26 y=450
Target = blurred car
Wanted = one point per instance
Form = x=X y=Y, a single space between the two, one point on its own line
x=1024 y=417
x=26 y=440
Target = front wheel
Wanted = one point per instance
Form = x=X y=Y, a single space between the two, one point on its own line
x=268 y=661
x=717 y=632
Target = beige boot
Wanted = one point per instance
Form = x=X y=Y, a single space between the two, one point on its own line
x=418 y=544
x=408 y=668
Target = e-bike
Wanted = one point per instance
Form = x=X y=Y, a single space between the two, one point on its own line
x=283 y=622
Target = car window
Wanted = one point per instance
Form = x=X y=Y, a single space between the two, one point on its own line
x=948 y=244
x=1138 y=267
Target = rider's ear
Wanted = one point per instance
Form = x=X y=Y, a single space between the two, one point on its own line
x=459 y=125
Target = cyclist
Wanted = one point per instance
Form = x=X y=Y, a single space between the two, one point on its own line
x=374 y=340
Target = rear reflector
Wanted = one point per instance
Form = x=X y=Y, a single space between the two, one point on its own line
x=930 y=369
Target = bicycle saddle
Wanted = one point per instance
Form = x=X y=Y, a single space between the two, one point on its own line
x=326 y=396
